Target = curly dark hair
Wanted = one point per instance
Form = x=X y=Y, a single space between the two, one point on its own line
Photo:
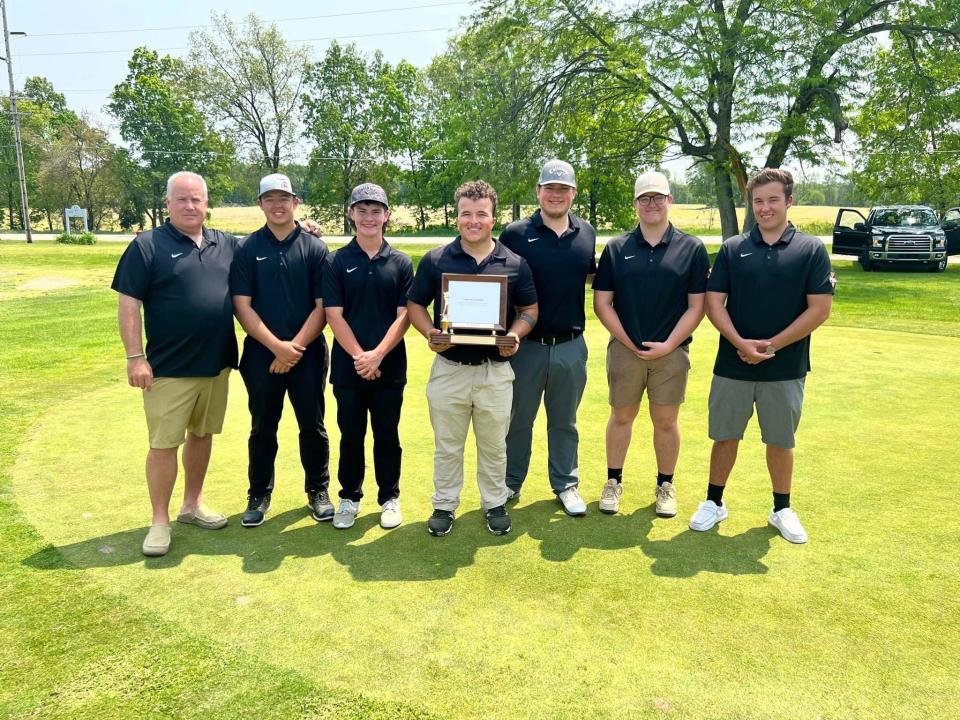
x=476 y=190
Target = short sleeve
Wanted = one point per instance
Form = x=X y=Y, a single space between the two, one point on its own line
x=405 y=280
x=132 y=276
x=818 y=278
x=320 y=269
x=699 y=271
x=241 y=271
x=720 y=274
x=603 y=280
x=524 y=292
x=332 y=285
x=423 y=289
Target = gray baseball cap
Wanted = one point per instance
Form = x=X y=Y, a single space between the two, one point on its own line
x=655 y=182
x=559 y=172
x=276 y=181
x=368 y=192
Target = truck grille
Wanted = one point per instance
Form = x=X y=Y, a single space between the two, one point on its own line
x=909 y=243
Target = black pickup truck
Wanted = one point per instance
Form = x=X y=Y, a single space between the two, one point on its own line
x=907 y=234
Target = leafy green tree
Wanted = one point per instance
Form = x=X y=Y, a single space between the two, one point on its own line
x=249 y=78
x=166 y=131
x=736 y=80
x=341 y=123
x=909 y=128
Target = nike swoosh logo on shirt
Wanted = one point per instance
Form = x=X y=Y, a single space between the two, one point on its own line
x=177 y=255
x=532 y=239
x=261 y=258
x=745 y=254
x=627 y=257
x=352 y=269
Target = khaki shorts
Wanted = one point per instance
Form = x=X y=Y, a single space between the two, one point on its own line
x=664 y=379
x=175 y=405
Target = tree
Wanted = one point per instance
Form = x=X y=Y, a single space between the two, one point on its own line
x=909 y=128
x=341 y=123
x=250 y=78
x=735 y=80
x=164 y=128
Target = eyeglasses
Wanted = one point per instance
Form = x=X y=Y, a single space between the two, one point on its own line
x=657 y=200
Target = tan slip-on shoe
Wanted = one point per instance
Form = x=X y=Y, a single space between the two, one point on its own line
x=204 y=517
x=157 y=542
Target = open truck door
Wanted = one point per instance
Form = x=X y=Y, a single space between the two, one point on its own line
x=951 y=227
x=850 y=234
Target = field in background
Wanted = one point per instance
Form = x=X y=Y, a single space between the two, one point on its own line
x=696 y=219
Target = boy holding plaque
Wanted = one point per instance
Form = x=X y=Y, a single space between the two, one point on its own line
x=471 y=379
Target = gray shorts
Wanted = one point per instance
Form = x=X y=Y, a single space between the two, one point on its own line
x=779 y=404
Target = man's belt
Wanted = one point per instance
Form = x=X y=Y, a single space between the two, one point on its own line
x=555 y=339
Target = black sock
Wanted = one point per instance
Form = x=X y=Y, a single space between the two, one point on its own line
x=780 y=501
x=615 y=474
x=663 y=477
x=715 y=493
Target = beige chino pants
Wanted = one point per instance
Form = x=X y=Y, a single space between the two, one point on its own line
x=457 y=394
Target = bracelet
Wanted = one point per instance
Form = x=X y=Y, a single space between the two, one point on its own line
x=135 y=356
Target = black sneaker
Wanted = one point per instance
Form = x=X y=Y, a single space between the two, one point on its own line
x=498 y=522
x=440 y=523
x=256 y=509
x=319 y=502
x=513 y=496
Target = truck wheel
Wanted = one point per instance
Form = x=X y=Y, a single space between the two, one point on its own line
x=866 y=263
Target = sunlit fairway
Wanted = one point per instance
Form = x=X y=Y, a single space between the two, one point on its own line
x=625 y=616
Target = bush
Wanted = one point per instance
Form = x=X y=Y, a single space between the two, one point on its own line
x=84 y=238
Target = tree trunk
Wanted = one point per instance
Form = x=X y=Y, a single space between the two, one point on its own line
x=516 y=210
x=725 y=202
x=446 y=215
x=346 y=219
x=593 y=208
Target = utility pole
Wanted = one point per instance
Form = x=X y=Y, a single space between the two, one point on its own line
x=24 y=202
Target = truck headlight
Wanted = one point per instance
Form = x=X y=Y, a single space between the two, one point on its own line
x=939 y=240
x=878 y=241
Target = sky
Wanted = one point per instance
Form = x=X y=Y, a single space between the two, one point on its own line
x=83 y=47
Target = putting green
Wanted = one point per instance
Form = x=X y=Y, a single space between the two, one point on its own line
x=622 y=616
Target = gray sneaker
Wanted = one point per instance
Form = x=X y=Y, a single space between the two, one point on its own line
x=319 y=502
x=346 y=515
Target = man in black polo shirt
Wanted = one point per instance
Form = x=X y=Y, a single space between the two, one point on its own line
x=276 y=286
x=179 y=274
x=471 y=382
x=552 y=360
x=648 y=293
x=365 y=298
x=769 y=290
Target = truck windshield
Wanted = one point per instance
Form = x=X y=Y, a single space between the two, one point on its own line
x=906 y=218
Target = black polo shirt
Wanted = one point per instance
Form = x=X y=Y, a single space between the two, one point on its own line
x=283 y=278
x=369 y=290
x=651 y=282
x=187 y=313
x=560 y=267
x=428 y=288
x=767 y=288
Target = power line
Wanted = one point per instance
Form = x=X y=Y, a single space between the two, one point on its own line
x=278 y=20
x=168 y=49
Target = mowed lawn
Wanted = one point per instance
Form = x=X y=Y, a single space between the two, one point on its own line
x=628 y=616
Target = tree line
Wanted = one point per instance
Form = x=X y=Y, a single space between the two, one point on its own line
x=612 y=88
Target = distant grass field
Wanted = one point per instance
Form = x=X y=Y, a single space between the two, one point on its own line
x=604 y=617
x=696 y=219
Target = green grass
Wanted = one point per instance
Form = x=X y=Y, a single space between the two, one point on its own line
x=606 y=617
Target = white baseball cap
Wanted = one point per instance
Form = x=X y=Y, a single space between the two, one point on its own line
x=276 y=181
x=651 y=182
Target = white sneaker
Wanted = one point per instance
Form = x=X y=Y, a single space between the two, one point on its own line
x=610 y=497
x=346 y=515
x=787 y=522
x=573 y=504
x=390 y=515
x=666 y=505
x=707 y=515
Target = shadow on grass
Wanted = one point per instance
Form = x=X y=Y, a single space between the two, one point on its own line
x=682 y=555
x=409 y=553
